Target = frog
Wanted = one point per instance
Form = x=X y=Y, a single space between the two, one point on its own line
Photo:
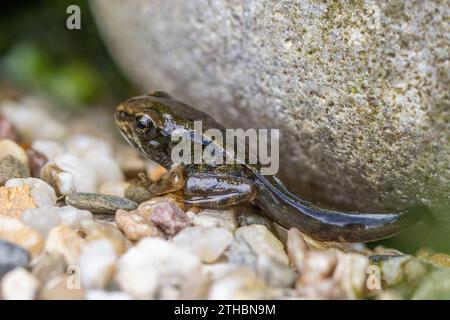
x=148 y=122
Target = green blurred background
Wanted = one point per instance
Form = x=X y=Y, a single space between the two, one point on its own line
x=39 y=53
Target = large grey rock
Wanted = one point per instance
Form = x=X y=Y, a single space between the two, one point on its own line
x=360 y=91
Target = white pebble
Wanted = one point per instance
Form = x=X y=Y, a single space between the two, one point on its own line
x=207 y=243
x=73 y=217
x=19 y=284
x=153 y=262
x=41 y=192
x=41 y=219
x=216 y=218
x=262 y=242
x=81 y=145
x=97 y=264
x=84 y=176
x=32 y=120
x=50 y=148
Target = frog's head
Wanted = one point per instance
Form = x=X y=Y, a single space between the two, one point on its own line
x=148 y=122
x=142 y=121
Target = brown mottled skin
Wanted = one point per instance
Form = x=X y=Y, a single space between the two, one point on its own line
x=147 y=123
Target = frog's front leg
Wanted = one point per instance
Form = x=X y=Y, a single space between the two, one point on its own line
x=217 y=191
x=170 y=182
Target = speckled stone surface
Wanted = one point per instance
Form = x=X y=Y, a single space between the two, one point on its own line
x=359 y=91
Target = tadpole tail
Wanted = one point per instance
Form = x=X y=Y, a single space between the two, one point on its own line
x=290 y=211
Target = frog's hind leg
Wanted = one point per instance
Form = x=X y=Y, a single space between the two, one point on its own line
x=217 y=191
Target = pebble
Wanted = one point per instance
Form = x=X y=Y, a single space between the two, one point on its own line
x=216 y=218
x=11 y=257
x=7 y=129
x=73 y=217
x=19 y=284
x=10 y=147
x=130 y=162
x=48 y=266
x=83 y=145
x=138 y=191
x=152 y=264
x=97 y=231
x=262 y=242
x=37 y=161
x=100 y=203
x=208 y=243
x=64 y=287
x=15 y=231
x=28 y=115
x=146 y=207
x=136 y=227
x=66 y=242
x=106 y=168
x=61 y=181
x=11 y=168
x=114 y=188
x=84 y=176
x=248 y=215
x=51 y=149
x=42 y=219
x=42 y=193
x=13 y=201
x=275 y=273
x=297 y=249
x=435 y=286
x=351 y=274
x=166 y=215
x=97 y=264
x=239 y=284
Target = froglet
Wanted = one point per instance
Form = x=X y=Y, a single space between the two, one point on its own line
x=147 y=122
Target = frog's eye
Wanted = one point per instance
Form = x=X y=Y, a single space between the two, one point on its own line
x=144 y=124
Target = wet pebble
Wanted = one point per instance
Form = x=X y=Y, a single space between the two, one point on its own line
x=135 y=226
x=42 y=193
x=100 y=203
x=12 y=256
x=216 y=218
x=15 y=231
x=19 y=284
x=208 y=243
